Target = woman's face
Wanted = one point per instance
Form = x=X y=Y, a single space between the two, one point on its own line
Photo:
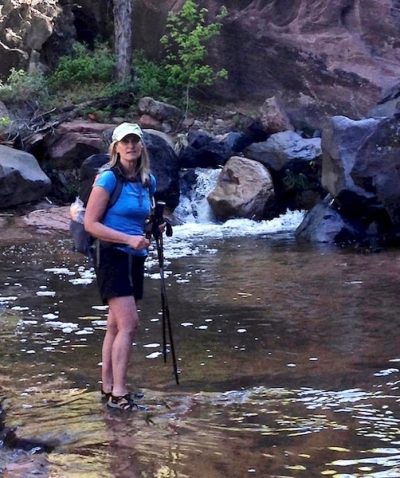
x=129 y=148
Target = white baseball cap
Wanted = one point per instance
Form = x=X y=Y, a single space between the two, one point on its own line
x=124 y=129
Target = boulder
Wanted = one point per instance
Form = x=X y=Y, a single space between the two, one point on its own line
x=164 y=166
x=244 y=189
x=73 y=141
x=202 y=150
x=21 y=178
x=377 y=168
x=360 y=161
x=281 y=150
x=147 y=121
x=167 y=115
x=273 y=116
x=295 y=164
x=361 y=171
x=324 y=223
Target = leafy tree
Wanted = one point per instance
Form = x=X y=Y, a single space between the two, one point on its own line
x=185 y=42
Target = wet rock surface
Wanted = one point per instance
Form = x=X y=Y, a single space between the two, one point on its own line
x=36 y=225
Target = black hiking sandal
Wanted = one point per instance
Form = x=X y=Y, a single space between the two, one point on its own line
x=105 y=396
x=138 y=395
x=123 y=402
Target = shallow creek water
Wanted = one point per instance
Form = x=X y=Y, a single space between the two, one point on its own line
x=289 y=364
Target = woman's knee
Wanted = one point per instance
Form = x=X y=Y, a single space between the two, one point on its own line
x=112 y=328
x=131 y=327
x=124 y=314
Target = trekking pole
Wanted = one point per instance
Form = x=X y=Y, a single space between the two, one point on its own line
x=166 y=319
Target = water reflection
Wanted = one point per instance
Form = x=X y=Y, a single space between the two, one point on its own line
x=288 y=354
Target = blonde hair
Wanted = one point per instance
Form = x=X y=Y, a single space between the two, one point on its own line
x=143 y=166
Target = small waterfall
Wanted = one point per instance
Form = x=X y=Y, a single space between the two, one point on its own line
x=195 y=221
x=193 y=206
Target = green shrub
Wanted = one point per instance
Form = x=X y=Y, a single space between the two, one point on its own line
x=83 y=67
x=120 y=88
x=5 y=122
x=22 y=87
x=150 y=77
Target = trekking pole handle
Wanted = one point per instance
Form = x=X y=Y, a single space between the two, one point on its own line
x=153 y=223
x=159 y=212
x=160 y=219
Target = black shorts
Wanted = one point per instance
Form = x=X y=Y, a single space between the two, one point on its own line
x=119 y=274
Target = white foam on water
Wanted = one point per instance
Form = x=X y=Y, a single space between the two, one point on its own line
x=81 y=281
x=388 y=371
x=46 y=293
x=187 y=238
x=65 y=326
x=85 y=331
x=153 y=355
x=60 y=271
x=50 y=316
x=7 y=299
x=87 y=276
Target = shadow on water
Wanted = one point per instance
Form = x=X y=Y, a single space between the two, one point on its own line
x=289 y=361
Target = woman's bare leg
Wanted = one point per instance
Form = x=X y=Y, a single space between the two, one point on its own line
x=106 y=368
x=124 y=313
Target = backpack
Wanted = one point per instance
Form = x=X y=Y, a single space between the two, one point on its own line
x=83 y=241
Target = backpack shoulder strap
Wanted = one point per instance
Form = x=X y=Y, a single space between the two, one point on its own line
x=117 y=190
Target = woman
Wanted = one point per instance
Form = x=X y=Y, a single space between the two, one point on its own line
x=122 y=249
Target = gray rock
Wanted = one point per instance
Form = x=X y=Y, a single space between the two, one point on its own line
x=21 y=178
x=281 y=149
x=244 y=189
x=360 y=167
x=167 y=114
x=361 y=171
x=323 y=223
x=341 y=142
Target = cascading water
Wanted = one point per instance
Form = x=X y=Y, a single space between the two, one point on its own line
x=193 y=206
x=197 y=221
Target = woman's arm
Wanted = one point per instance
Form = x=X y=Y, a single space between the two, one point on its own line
x=95 y=209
